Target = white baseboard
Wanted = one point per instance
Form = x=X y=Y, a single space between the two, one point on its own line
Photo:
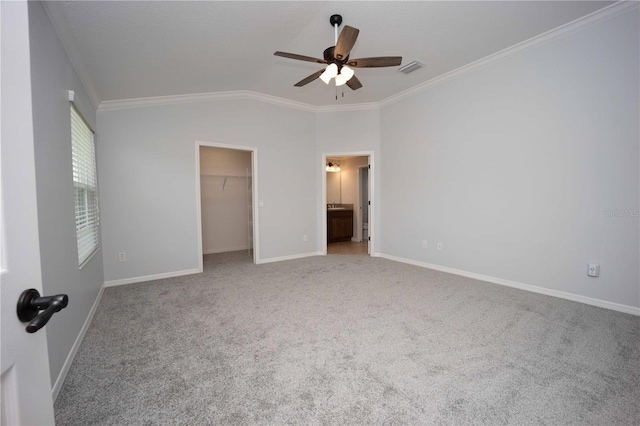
x=528 y=287
x=224 y=250
x=76 y=345
x=293 y=256
x=142 y=279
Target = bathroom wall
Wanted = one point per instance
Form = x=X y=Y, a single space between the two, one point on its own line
x=351 y=190
x=334 y=188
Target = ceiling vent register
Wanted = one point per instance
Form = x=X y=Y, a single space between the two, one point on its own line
x=411 y=66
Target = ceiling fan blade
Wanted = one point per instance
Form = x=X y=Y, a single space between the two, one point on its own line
x=354 y=83
x=309 y=79
x=382 y=61
x=300 y=57
x=346 y=40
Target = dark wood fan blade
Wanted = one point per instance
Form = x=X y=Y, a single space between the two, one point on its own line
x=309 y=79
x=354 y=83
x=346 y=40
x=300 y=57
x=382 y=61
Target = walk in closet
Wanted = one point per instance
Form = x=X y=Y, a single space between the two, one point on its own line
x=226 y=200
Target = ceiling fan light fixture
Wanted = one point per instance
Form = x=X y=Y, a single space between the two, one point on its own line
x=324 y=78
x=330 y=72
x=347 y=73
x=340 y=80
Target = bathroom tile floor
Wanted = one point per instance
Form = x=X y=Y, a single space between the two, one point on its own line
x=347 y=247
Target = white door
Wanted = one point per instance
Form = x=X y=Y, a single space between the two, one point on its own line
x=26 y=384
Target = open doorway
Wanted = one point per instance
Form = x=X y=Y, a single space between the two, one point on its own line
x=225 y=184
x=347 y=203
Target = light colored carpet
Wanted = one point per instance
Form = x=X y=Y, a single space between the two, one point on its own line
x=348 y=340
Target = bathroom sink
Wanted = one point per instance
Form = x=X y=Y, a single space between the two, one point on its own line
x=336 y=208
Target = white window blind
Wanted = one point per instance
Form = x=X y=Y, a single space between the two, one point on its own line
x=85 y=186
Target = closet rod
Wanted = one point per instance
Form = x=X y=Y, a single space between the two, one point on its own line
x=225 y=176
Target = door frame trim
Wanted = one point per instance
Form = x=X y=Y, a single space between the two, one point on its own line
x=254 y=196
x=323 y=205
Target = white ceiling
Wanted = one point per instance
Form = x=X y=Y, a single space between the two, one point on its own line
x=139 y=49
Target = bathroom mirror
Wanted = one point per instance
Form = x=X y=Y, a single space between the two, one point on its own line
x=334 y=195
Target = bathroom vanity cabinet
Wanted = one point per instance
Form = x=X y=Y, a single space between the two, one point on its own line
x=339 y=225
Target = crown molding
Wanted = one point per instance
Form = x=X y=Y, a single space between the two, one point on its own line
x=593 y=18
x=225 y=96
x=202 y=97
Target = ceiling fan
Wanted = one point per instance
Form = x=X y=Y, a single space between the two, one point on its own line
x=337 y=57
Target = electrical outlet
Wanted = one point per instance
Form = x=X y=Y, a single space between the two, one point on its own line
x=122 y=257
x=440 y=245
x=593 y=270
x=305 y=237
x=424 y=244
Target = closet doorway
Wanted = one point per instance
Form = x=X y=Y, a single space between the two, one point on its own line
x=347 y=194
x=226 y=182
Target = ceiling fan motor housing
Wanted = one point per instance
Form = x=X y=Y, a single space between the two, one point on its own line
x=329 y=56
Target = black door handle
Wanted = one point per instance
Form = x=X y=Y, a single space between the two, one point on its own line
x=30 y=304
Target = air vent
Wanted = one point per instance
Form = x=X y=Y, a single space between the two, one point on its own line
x=411 y=66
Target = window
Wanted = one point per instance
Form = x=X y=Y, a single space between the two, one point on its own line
x=85 y=186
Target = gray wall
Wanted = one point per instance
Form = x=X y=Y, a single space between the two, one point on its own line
x=350 y=180
x=52 y=76
x=515 y=166
x=148 y=182
x=350 y=132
